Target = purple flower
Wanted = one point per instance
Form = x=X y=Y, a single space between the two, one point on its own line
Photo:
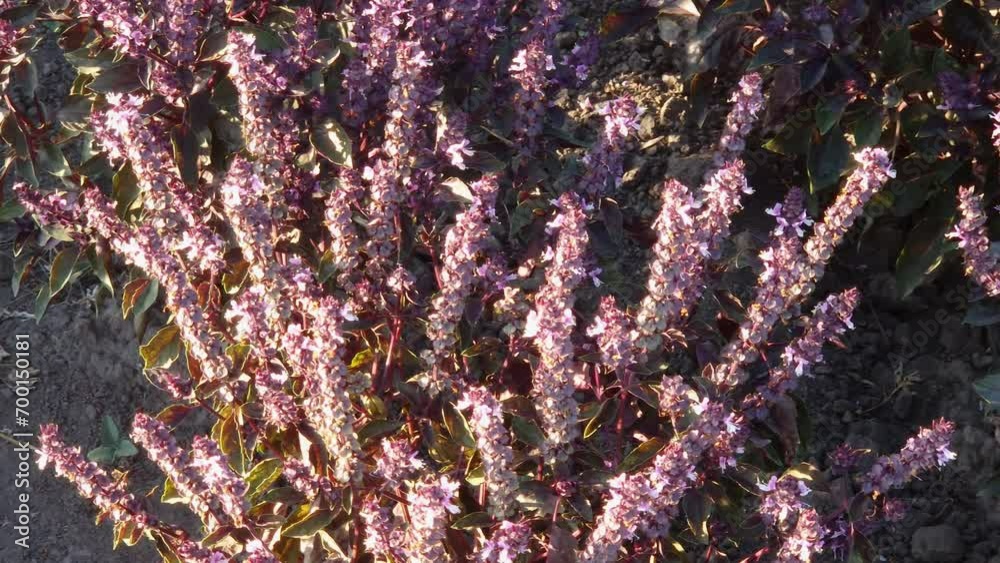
x=399 y=461
x=958 y=93
x=748 y=101
x=972 y=236
x=508 y=541
x=583 y=57
x=551 y=325
x=493 y=443
x=929 y=449
x=805 y=541
x=94 y=484
x=603 y=162
x=612 y=330
x=431 y=504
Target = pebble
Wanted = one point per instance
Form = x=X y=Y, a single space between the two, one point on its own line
x=937 y=544
x=669 y=30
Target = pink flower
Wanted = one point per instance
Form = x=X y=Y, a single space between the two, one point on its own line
x=464 y=247
x=805 y=541
x=778 y=286
x=684 y=243
x=612 y=330
x=603 y=162
x=210 y=488
x=109 y=495
x=302 y=478
x=493 y=443
x=430 y=505
x=781 y=501
x=174 y=210
x=508 y=541
x=929 y=449
x=675 y=396
x=382 y=538
x=972 y=236
x=269 y=129
x=873 y=171
x=748 y=101
x=645 y=501
x=551 y=325
x=52 y=209
x=399 y=461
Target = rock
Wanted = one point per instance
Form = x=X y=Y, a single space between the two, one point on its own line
x=636 y=62
x=669 y=30
x=647 y=126
x=937 y=544
x=689 y=169
x=565 y=39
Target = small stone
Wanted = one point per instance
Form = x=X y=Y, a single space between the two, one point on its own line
x=669 y=31
x=980 y=361
x=636 y=62
x=937 y=544
x=565 y=39
x=90 y=411
x=647 y=127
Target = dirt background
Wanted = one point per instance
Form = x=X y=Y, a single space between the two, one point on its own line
x=907 y=362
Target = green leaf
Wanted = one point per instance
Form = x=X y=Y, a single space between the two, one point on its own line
x=919 y=10
x=641 y=454
x=42 y=302
x=473 y=521
x=10 y=210
x=102 y=454
x=330 y=140
x=26 y=170
x=185 y=145
x=131 y=293
x=982 y=313
x=121 y=78
x=458 y=426
x=75 y=112
x=378 y=428
x=52 y=161
x=731 y=7
x=262 y=476
x=110 y=435
x=162 y=349
x=20 y=271
x=10 y=131
x=307 y=525
x=867 y=128
x=989 y=389
x=125 y=449
x=170 y=494
x=922 y=253
x=125 y=189
x=697 y=510
x=897 y=52
x=604 y=415
x=774 y=52
x=62 y=269
x=146 y=299
x=829 y=111
x=527 y=431
x=829 y=157
x=213 y=46
x=98 y=266
x=793 y=138
x=233 y=277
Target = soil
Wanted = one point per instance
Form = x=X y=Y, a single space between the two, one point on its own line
x=906 y=363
